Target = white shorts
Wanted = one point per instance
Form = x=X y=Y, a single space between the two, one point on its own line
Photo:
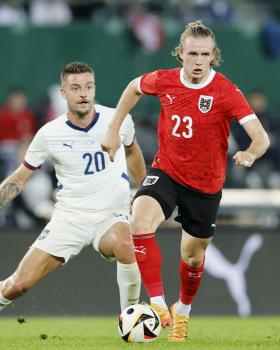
x=67 y=233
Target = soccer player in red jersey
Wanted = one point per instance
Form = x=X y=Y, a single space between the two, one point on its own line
x=197 y=108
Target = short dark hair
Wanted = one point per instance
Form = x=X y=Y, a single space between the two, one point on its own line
x=75 y=68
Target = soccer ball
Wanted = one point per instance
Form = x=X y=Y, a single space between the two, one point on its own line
x=139 y=324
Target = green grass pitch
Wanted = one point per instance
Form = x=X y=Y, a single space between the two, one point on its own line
x=90 y=333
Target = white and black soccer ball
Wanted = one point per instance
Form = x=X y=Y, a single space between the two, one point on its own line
x=139 y=324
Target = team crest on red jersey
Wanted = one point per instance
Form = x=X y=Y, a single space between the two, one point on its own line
x=205 y=103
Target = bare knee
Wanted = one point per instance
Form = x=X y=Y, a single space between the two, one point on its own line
x=193 y=256
x=124 y=251
x=192 y=260
x=147 y=215
x=193 y=249
x=141 y=225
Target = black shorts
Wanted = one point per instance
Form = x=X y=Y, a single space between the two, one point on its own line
x=197 y=211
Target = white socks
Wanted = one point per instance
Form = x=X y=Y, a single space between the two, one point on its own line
x=183 y=309
x=4 y=302
x=159 y=300
x=129 y=281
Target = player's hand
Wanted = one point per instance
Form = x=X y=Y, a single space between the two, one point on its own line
x=244 y=158
x=111 y=143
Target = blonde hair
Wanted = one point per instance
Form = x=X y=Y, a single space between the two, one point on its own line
x=198 y=30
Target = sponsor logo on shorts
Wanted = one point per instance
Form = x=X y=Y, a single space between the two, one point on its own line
x=150 y=180
x=43 y=234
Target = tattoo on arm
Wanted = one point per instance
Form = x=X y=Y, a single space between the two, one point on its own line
x=7 y=193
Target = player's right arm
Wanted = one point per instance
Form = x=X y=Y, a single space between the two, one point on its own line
x=128 y=100
x=259 y=145
x=35 y=156
x=14 y=184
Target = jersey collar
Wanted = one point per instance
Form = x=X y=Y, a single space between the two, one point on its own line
x=90 y=126
x=197 y=86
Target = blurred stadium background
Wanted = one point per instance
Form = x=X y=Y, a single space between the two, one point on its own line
x=122 y=39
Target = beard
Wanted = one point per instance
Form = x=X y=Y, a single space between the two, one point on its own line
x=82 y=113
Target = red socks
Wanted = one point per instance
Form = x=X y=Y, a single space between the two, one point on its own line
x=149 y=262
x=190 y=278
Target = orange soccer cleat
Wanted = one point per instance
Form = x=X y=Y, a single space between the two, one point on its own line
x=164 y=315
x=179 y=326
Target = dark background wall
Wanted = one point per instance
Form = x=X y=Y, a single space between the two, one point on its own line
x=87 y=284
x=35 y=56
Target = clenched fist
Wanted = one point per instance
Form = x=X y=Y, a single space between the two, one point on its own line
x=244 y=158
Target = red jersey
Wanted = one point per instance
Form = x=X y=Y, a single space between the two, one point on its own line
x=194 y=124
x=16 y=126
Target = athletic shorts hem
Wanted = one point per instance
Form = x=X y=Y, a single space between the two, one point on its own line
x=46 y=250
x=167 y=211
x=196 y=235
x=100 y=235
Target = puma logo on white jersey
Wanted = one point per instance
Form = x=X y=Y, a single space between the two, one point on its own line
x=69 y=145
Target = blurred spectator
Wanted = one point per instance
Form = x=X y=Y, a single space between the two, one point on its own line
x=12 y=13
x=147 y=30
x=50 y=12
x=267 y=172
x=98 y=10
x=222 y=12
x=83 y=10
x=271 y=38
x=258 y=101
x=18 y=125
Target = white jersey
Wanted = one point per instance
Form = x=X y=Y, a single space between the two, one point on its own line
x=87 y=180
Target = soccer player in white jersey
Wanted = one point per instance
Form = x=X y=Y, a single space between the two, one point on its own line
x=92 y=205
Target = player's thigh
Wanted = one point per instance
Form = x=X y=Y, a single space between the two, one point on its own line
x=197 y=211
x=147 y=215
x=65 y=235
x=117 y=242
x=154 y=202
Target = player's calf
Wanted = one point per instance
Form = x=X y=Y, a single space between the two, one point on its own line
x=3 y=301
x=15 y=286
x=129 y=282
x=124 y=251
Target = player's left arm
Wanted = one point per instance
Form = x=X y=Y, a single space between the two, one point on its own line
x=135 y=161
x=259 y=144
